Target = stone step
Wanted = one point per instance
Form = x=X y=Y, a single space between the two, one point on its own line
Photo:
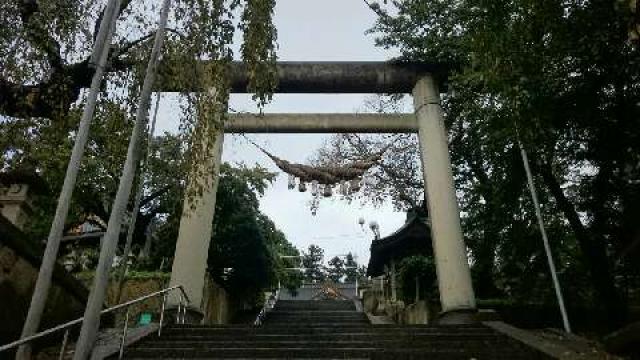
x=468 y=344
x=275 y=315
x=348 y=305
x=251 y=358
x=325 y=337
x=328 y=353
x=372 y=326
x=328 y=330
x=302 y=330
x=317 y=321
x=315 y=305
x=328 y=312
x=319 y=313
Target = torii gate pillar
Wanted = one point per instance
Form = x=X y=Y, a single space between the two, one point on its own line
x=454 y=277
x=194 y=236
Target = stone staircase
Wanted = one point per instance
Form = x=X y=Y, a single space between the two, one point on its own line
x=328 y=329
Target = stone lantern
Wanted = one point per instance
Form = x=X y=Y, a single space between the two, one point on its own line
x=16 y=196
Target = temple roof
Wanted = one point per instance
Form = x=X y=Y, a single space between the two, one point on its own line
x=413 y=238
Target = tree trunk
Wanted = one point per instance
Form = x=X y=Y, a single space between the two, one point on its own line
x=593 y=249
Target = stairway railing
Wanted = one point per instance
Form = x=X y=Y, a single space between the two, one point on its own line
x=269 y=304
x=180 y=318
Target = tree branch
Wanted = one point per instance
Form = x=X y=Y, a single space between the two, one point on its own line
x=375 y=7
x=126 y=47
x=156 y=194
x=38 y=34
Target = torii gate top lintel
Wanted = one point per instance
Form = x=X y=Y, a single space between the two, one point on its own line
x=339 y=77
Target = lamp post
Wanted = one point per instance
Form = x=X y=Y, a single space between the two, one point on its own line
x=373 y=226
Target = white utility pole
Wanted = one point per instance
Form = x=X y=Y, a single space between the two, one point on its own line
x=136 y=203
x=43 y=283
x=96 y=298
x=545 y=240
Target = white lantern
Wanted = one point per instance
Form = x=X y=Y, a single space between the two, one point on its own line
x=314 y=187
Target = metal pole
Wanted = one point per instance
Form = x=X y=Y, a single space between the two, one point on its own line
x=178 y=316
x=63 y=347
x=136 y=205
x=357 y=295
x=43 y=283
x=92 y=312
x=124 y=334
x=184 y=312
x=545 y=240
x=164 y=302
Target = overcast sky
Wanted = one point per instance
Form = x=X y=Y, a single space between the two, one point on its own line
x=310 y=30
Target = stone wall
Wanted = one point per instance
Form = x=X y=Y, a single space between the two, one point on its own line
x=416 y=313
x=19 y=265
x=133 y=288
x=217 y=306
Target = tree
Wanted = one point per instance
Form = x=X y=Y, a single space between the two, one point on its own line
x=397 y=176
x=336 y=269
x=46 y=51
x=564 y=75
x=417 y=273
x=244 y=239
x=285 y=255
x=46 y=46
x=245 y=249
x=351 y=269
x=312 y=264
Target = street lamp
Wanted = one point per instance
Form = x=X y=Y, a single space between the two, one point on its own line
x=375 y=228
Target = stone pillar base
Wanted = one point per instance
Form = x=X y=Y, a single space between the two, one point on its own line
x=457 y=317
x=192 y=315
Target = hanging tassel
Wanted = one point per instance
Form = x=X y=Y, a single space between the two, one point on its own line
x=327 y=190
x=292 y=182
x=314 y=187
x=302 y=187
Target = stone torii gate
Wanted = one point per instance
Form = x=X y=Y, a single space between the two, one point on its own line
x=419 y=79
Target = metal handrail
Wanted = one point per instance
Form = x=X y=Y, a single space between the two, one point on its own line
x=180 y=319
